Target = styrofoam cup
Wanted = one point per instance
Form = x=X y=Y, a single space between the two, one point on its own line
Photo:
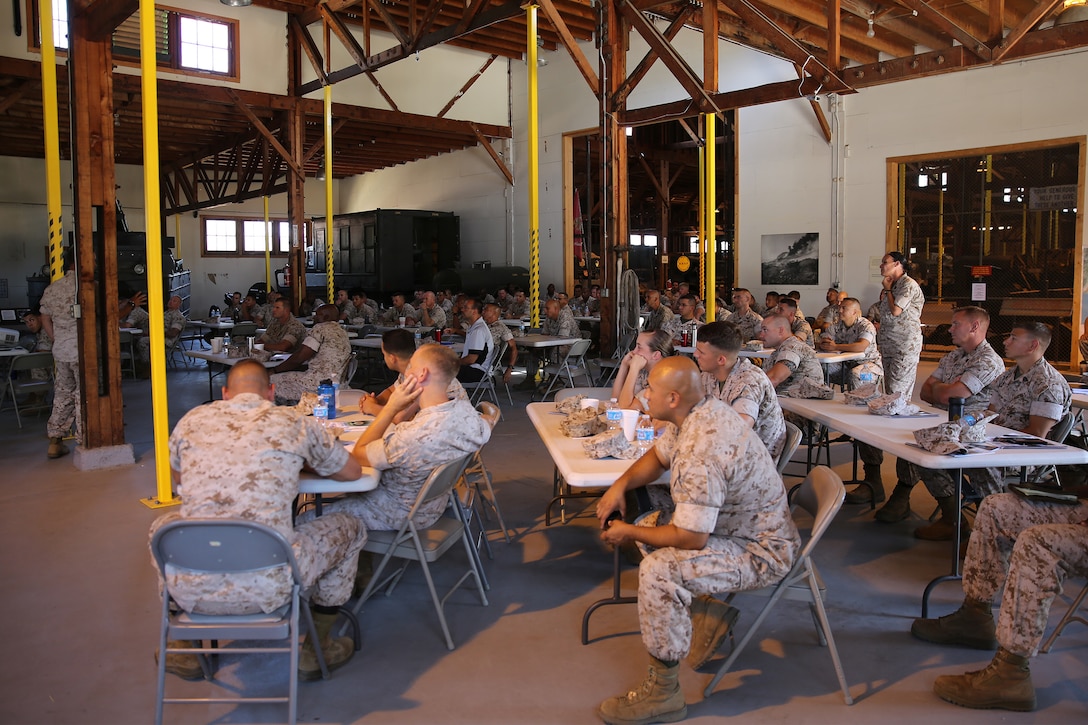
x=629 y=420
x=590 y=403
x=259 y=346
x=217 y=345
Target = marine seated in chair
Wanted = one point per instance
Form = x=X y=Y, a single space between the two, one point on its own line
x=1029 y=547
x=443 y=430
x=730 y=531
x=240 y=457
x=398 y=347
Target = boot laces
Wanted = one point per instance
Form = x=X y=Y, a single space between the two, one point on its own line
x=644 y=689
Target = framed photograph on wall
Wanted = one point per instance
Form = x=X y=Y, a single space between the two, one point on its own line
x=792 y=259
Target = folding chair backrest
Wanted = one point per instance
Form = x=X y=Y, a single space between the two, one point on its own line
x=351 y=365
x=442 y=479
x=579 y=349
x=490 y=413
x=821 y=494
x=221 y=545
x=793 y=440
x=1060 y=430
x=625 y=343
x=32 y=360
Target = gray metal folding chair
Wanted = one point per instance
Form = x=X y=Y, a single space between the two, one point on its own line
x=224 y=546
x=20 y=381
x=128 y=352
x=571 y=366
x=486 y=384
x=476 y=473
x=427 y=545
x=1071 y=615
x=821 y=495
x=793 y=442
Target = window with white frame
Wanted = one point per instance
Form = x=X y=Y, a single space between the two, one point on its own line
x=242 y=237
x=185 y=41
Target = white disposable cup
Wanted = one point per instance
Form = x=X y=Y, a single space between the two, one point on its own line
x=259 y=346
x=217 y=345
x=629 y=420
x=402 y=321
x=590 y=403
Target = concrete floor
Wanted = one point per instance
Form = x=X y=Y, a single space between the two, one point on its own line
x=79 y=612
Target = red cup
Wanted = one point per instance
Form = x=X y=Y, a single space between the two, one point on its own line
x=438 y=334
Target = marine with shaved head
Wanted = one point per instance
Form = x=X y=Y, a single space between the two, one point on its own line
x=729 y=530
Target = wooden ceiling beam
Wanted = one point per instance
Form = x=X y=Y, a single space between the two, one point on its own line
x=1027 y=23
x=103 y=16
x=815 y=14
x=834 y=34
x=499 y=162
x=468 y=84
x=568 y=41
x=644 y=65
x=334 y=24
x=425 y=22
x=390 y=23
x=259 y=125
x=946 y=24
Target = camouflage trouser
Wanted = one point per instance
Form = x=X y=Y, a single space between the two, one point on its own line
x=941 y=483
x=853 y=373
x=900 y=361
x=669 y=578
x=1030 y=547
x=379 y=510
x=327 y=552
x=66 y=401
x=291 y=385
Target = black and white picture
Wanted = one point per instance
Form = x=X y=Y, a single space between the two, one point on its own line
x=792 y=259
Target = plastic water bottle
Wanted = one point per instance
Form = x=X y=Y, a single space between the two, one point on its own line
x=321 y=413
x=326 y=393
x=418 y=338
x=865 y=378
x=613 y=415
x=644 y=434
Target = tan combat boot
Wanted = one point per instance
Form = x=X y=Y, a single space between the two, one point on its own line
x=56 y=448
x=711 y=622
x=944 y=528
x=862 y=494
x=898 y=506
x=972 y=625
x=1004 y=684
x=658 y=699
x=185 y=666
x=338 y=652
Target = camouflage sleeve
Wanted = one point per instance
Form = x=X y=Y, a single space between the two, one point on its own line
x=324 y=454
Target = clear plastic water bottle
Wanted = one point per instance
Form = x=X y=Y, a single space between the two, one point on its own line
x=321 y=414
x=613 y=415
x=865 y=378
x=644 y=434
x=418 y=338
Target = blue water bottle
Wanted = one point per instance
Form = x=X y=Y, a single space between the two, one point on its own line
x=327 y=394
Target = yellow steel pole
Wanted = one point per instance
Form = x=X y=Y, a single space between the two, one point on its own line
x=52 y=141
x=267 y=250
x=330 y=283
x=940 y=241
x=702 y=210
x=710 y=298
x=534 y=166
x=153 y=222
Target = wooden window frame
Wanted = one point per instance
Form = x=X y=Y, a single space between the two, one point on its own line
x=172 y=63
x=239 y=235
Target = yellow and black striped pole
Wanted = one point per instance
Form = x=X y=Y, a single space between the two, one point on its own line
x=330 y=283
x=709 y=297
x=153 y=221
x=52 y=141
x=534 y=166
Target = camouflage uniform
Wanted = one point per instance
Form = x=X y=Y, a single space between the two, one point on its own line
x=330 y=344
x=829 y=316
x=40 y=342
x=406 y=455
x=438 y=317
x=659 y=319
x=140 y=320
x=455 y=391
x=262 y=314
x=57 y=302
x=749 y=391
x=749 y=324
x=873 y=314
x=838 y=332
x=516 y=310
x=977 y=370
x=677 y=326
x=347 y=310
x=900 y=338
x=802 y=330
x=172 y=319
x=393 y=315
x=1030 y=547
x=292 y=331
x=1041 y=391
x=240 y=458
x=579 y=306
x=724 y=484
x=801 y=361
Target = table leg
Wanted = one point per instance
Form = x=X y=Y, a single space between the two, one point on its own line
x=616 y=598
x=956 y=574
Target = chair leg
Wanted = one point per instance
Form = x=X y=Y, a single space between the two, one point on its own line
x=491 y=499
x=826 y=636
x=1070 y=616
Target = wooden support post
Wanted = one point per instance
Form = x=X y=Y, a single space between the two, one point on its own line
x=296 y=204
x=95 y=201
x=613 y=34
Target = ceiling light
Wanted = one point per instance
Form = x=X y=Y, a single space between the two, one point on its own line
x=870 y=32
x=237 y=3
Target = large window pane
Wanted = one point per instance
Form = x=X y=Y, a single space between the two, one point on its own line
x=254 y=232
x=220 y=235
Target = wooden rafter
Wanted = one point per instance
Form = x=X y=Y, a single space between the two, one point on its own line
x=821 y=117
x=390 y=22
x=14 y=96
x=668 y=55
x=426 y=21
x=336 y=25
x=259 y=125
x=309 y=47
x=1038 y=13
x=468 y=84
x=949 y=26
x=494 y=155
x=565 y=36
x=647 y=61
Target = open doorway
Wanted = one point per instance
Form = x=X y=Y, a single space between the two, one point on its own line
x=663 y=200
